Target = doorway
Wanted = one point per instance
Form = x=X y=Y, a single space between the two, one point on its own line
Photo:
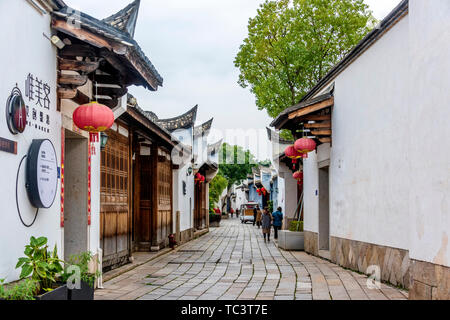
x=324 y=211
x=75 y=194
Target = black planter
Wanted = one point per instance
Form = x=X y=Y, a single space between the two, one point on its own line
x=86 y=292
x=60 y=293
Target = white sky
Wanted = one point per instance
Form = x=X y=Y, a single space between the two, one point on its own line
x=193 y=44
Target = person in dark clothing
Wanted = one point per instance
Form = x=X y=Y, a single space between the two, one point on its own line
x=255 y=213
x=277 y=221
x=266 y=221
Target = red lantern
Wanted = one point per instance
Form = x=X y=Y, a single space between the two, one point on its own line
x=198 y=177
x=94 y=118
x=304 y=146
x=293 y=154
x=264 y=191
x=258 y=191
x=298 y=176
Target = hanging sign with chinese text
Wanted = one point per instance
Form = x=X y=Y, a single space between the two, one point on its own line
x=42 y=174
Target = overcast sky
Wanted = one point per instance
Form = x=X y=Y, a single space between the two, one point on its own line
x=193 y=44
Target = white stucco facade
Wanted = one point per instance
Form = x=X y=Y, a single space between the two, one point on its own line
x=28 y=52
x=389 y=171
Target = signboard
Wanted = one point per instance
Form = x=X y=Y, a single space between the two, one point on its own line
x=8 y=146
x=42 y=174
x=16 y=112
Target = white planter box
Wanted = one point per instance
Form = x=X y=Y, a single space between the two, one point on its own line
x=289 y=240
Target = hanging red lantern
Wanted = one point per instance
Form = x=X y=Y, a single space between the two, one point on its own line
x=298 y=176
x=197 y=177
x=94 y=118
x=264 y=191
x=304 y=146
x=293 y=154
x=258 y=191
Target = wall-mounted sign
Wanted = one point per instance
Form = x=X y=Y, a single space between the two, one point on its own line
x=38 y=106
x=42 y=174
x=16 y=112
x=8 y=146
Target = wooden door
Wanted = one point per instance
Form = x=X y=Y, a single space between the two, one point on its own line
x=144 y=213
x=114 y=201
x=164 y=219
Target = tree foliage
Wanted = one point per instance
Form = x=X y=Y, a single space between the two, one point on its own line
x=235 y=163
x=292 y=44
x=216 y=187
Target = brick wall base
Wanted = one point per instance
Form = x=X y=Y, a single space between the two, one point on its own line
x=429 y=281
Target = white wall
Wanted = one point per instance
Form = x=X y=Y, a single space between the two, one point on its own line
x=428 y=145
x=369 y=174
x=26 y=51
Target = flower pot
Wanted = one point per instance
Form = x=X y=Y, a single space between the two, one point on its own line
x=86 y=292
x=291 y=240
x=59 y=293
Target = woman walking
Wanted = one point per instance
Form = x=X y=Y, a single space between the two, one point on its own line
x=266 y=220
x=258 y=218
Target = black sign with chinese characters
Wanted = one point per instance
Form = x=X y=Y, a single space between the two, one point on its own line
x=38 y=107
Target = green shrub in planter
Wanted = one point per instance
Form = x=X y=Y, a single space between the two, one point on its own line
x=23 y=290
x=296 y=226
x=215 y=217
x=44 y=266
x=78 y=266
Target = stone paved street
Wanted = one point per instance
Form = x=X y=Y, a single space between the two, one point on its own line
x=233 y=263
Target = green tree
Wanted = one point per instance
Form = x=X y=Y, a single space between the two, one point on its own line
x=292 y=44
x=235 y=163
x=216 y=187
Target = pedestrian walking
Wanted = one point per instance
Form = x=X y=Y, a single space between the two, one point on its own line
x=255 y=213
x=266 y=220
x=277 y=221
x=258 y=218
x=232 y=212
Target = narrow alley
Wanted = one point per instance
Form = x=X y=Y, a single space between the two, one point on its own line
x=233 y=263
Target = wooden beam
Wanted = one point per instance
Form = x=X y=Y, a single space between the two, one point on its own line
x=325 y=124
x=325 y=140
x=321 y=133
x=66 y=93
x=313 y=108
x=326 y=117
x=109 y=103
x=81 y=98
x=112 y=92
x=73 y=80
x=77 y=50
x=75 y=65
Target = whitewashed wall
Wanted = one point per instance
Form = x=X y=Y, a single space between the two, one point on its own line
x=181 y=202
x=369 y=174
x=429 y=128
x=26 y=51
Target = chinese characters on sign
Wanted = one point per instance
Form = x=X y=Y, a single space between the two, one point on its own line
x=38 y=107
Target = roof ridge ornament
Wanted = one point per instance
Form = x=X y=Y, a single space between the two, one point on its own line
x=125 y=20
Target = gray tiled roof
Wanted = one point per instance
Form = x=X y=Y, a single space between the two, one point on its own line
x=184 y=121
x=108 y=31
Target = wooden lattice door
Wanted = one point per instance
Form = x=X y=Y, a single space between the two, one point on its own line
x=114 y=195
x=164 y=220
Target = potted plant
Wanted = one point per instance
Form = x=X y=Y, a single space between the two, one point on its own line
x=78 y=277
x=214 y=220
x=294 y=238
x=23 y=290
x=44 y=267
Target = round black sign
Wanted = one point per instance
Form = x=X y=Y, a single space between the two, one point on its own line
x=16 y=112
x=42 y=174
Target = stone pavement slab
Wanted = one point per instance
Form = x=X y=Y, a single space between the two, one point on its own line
x=234 y=263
